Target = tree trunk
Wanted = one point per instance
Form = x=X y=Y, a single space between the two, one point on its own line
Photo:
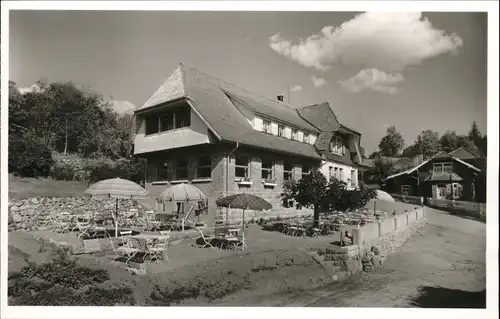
x=66 y=137
x=316 y=216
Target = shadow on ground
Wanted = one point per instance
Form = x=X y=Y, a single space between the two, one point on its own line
x=439 y=297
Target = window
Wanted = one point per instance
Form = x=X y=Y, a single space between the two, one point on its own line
x=281 y=130
x=204 y=167
x=337 y=146
x=287 y=171
x=181 y=169
x=242 y=166
x=305 y=170
x=182 y=117
x=457 y=191
x=151 y=171
x=151 y=125
x=341 y=174
x=162 y=172
x=353 y=178
x=266 y=125
x=168 y=121
x=441 y=190
x=336 y=173
x=442 y=167
x=330 y=172
x=294 y=135
x=405 y=190
x=307 y=138
x=267 y=169
x=301 y=136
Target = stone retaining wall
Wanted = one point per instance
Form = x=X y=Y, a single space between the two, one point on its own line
x=235 y=215
x=34 y=213
x=371 y=243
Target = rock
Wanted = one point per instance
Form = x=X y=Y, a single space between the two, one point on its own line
x=375 y=250
x=368 y=268
x=16 y=218
x=378 y=260
x=366 y=259
x=34 y=200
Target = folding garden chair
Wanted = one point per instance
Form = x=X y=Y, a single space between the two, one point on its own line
x=318 y=231
x=159 y=250
x=125 y=250
x=207 y=241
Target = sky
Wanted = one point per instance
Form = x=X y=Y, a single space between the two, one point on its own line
x=412 y=70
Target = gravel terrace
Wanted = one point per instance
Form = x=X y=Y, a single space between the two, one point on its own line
x=442 y=266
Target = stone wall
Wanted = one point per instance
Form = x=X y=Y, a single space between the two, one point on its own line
x=34 y=213
x=371 y=243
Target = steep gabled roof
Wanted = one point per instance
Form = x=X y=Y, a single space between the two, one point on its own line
x=321 y=116
x=440 y=155
x=270 y=108
x=171 y=89
x=464 y=154
x=210 y=98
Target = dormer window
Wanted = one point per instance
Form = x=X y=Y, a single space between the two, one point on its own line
x=337 y=146
x=295 y=134
x=281 y=130
x=266 y=126
x=169 y=120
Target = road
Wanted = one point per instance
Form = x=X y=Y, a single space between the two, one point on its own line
x=442 y=266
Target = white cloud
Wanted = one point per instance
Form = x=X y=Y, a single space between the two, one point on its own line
x=296 y=88
x=374 y=80
x=122 y=107
x=318 y=82
x=388 y=41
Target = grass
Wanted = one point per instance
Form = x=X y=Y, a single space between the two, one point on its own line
x=20 y=188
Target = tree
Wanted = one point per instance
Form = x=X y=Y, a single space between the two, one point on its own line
x=474 y=133
x=382 y=168
x=392 y=143
x=478 y=139
x=374 y=155
x=313 y=190
x=310 y=190
x=18 y=117
x=428 y=143
x=362 y=152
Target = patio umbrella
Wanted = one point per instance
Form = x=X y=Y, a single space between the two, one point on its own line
x=116 y=188
x=244 y=201
x=182 y=193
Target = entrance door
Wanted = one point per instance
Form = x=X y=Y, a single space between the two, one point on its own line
x=441 y=191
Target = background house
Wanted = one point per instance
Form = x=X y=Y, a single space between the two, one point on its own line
x=224 y=139
x=458 y=175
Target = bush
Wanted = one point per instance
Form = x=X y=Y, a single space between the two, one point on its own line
x=131 y=169
x=29 y=158
x=63 y=282
x=62 y=171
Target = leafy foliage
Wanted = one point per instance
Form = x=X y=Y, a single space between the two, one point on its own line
x=313 y=190
x=392 y=143
x=29 y=158
x=66 y=119
x=63 y=282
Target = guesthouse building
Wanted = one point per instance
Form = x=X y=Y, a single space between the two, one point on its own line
x=224 y=140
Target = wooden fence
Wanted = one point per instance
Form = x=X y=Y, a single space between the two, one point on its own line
x=408 y=199
x=471 y=208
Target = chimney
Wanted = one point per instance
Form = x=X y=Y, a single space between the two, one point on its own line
x=280 y=98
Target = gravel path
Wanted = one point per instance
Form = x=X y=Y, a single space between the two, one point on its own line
x=441 y=266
